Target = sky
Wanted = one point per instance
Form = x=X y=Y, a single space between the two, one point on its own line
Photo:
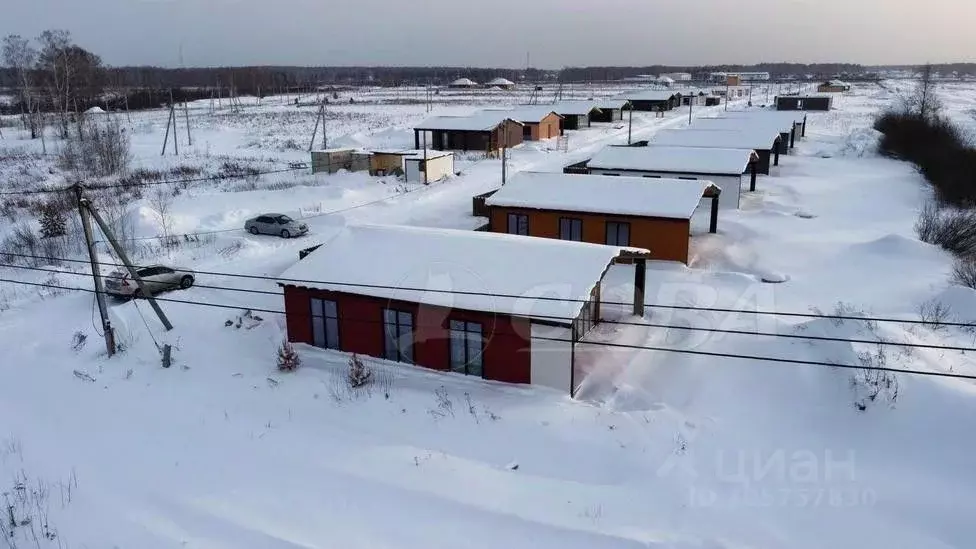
x=500 y=33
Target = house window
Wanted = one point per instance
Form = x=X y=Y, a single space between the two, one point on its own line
x=467 y=348
x=571 y=229
x=653 y=176
x=518 y=224
x=398 y=335
x=618 y=234
x=325 y=323
x=613 y=174
x=689 y=178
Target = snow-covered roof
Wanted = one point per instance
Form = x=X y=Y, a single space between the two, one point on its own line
x=743 y=123
x=530 y=114
x=788 y=116
x=481 y=121
x=464 y=82
x=673 y=159
x=500 y=82
x=638 y=196
x=612 y=103
x=414 y=153
x=447 y=267
x=575 y=108
x=419 y=155
x=749 y=138
x=665 y=79
x=650 y=95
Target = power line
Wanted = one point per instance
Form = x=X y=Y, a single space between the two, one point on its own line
x=599 y=344
x=612 y=322
x=792 y=314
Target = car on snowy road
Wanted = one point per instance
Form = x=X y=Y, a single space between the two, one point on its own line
x=156 y=279
x=276 y=224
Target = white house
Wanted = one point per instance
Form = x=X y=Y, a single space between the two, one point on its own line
x=438 y=165
x=763 y=140
x=726 y=168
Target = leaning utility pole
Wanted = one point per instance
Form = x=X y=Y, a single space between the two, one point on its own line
x=319 y=119
x=84 y=212
x=186 y=112
x=171 y=121
x=143 y=289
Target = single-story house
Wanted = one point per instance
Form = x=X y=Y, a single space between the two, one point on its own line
x=463 y=83
x=726 y=168
x=804 y=102
x=575 y=114
x=537 y=122
x=712 y=100
x=618 y=211
x=793 y=122
x=611 y=110
x=783 y=127
x=487 y=131
x=444 y=299
x=653 y=100
x=693 y=96
x=764 y=141
x=502 y=83
x=333 y=160
x=834 y=86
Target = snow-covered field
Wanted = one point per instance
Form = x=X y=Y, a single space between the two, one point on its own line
x=661 y=449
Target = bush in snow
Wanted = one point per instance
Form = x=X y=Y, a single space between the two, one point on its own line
x=934 y=314
x=359 y=374
x=873 y=383
x=288 y=359
x=98 y=150
x=964 y=272
x=950 y=228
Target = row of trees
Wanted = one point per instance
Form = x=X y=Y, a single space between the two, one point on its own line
x=51 y=74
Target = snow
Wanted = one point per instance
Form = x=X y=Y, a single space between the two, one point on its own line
x=660 y=450
x=458 y=269
x=481 y=121
x=640 y=196
x=612 y=103
x=500 y=82
x=575 y=108
x=650 y=95
x=95 y=110
x=753 y=137
x=661 y=158
x=526 y=114
x=464 y=82
x=743 y=124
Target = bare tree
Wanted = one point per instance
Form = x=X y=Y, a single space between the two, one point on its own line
x=924 y=102
x=161 y=200
x=20 y=56
x=72 y=73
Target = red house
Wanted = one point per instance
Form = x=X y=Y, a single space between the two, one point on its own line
x=503 y=307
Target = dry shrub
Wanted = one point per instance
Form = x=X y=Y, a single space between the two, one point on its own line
x=359 y=374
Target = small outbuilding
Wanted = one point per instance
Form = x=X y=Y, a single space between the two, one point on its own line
x=726 y=168
x=804 y=102
x=576 y=114
x=428 y=166
x=611 y=110
x=487 y=131
x=834 y=86
x=334 y=160
x=653 y=100
x=617 y=211
x=501 y=83
x=764 y=141
x=537 y=122
x=792 y=122
x=783 y=127
x=451 y=300
x=463 y=83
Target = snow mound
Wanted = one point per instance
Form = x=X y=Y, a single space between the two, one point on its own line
x=95 y=110
x=893 y=245
x=858 y=144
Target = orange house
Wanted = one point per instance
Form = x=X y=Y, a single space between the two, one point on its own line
x=538 y=123
x=650 y=213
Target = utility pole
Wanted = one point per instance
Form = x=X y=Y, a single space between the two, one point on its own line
x=630 y=123
x=727 y=96
x=83 y=211
x=426 y=181
x=143 y=289
x=691 y=103
x=186 y=112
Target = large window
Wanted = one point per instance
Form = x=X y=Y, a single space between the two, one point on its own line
x=325 y=323
x=398 y=335
x=618 y=234
x=467 y=347
x=571 y=229
x=518 y=224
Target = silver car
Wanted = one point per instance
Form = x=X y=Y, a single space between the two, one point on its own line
x=276 y=224
x=156 y=278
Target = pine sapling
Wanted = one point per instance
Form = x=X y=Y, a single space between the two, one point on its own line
x=288 y=359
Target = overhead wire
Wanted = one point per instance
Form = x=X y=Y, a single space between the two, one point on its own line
x=758 y=312
x=804 y=337
x=758 y=358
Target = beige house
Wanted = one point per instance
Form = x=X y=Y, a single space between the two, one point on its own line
x=333 y=160
x=433 y=166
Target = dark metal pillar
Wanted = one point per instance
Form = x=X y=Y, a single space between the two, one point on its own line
x=776 y=158
x=640 y=278
x=713 y=223
x=753 y=174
